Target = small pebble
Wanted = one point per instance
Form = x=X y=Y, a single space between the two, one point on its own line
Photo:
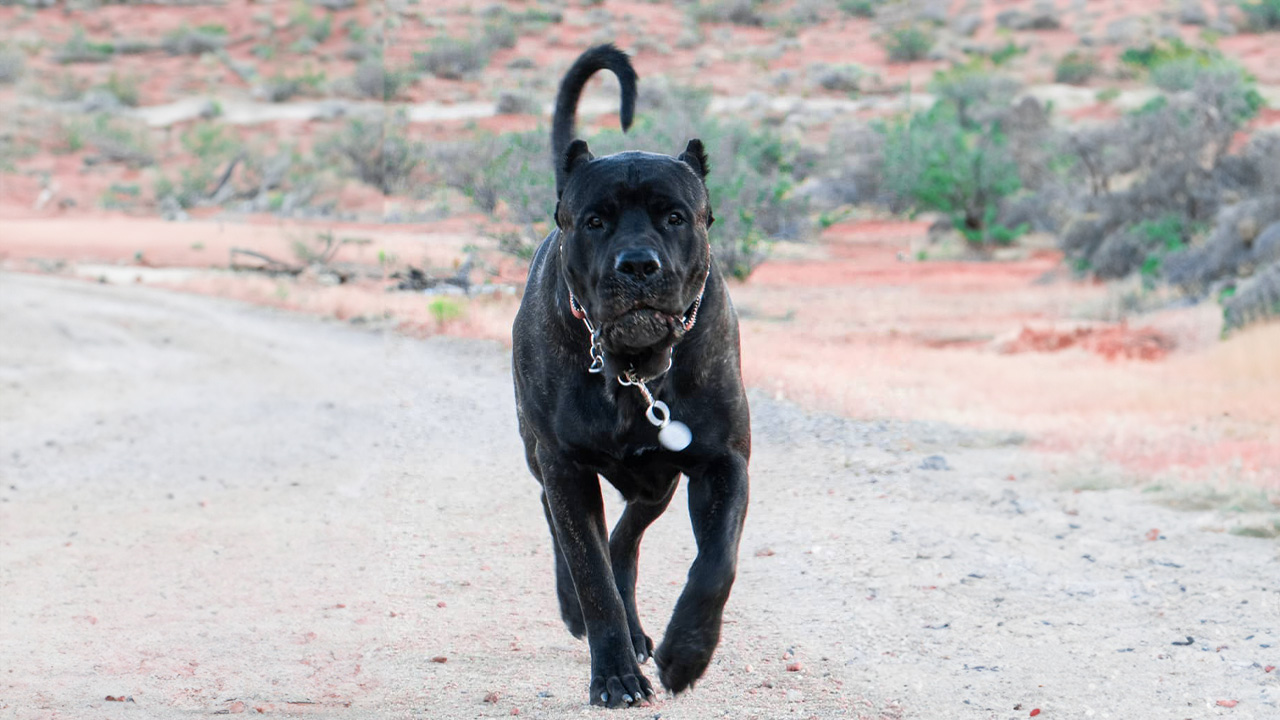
x=751 y=669
x=794 y=666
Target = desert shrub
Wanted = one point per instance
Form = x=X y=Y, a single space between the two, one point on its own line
x=378 y=152
x=1245 y=238
x=501 y=32
x=858 y=8
x=80 y=49
x=738 y=12
x=1253 y=300
x=1151 y=55
x=12 y=65
x=933 y=161
x=839 y=78
x=373 y=80
x=1173 y=155
x=316 y=29
x=510 y=103
x=805 y=12
x=1075 y=68
x=282 y=88
x=209 y=148
x=194 y=41
x=116 y=140
x=978 y=94
x=1262 y=15
x=124 y=88
x=1007 y=52
x=908 y=44
x=453 y=58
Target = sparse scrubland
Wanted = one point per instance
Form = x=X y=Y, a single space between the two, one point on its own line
x=1178 y=190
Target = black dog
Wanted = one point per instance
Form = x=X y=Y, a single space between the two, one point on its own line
x=625 y=344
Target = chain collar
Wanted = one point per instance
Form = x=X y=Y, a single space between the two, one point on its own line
x=597 y=342
x=672 y=434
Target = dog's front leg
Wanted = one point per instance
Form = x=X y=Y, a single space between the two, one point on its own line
x=718 y=508
x=573 y=496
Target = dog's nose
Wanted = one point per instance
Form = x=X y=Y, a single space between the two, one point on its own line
x=639 y=263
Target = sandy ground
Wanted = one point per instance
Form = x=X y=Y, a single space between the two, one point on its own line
x=209 y=507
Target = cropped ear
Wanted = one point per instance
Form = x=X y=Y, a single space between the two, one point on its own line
x=696 y=157
x=575 y=156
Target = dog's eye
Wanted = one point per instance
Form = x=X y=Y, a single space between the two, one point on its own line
x=594 y=222
x=675 y=219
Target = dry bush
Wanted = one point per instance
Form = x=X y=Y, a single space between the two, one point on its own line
x=377 y=151
x=1255 y=300
x=12 y=65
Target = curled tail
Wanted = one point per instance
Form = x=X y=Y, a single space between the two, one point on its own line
x=601 y=57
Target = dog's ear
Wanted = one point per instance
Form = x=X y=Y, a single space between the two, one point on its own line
x=696 y=157
x=575 y=156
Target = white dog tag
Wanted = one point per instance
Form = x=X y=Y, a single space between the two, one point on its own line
x=675 y=436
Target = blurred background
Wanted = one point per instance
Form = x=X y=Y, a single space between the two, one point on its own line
x=1058 y=219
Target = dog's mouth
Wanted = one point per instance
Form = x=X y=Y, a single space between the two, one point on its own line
x=640 y=328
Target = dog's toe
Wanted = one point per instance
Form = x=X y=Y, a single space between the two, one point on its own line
x=643 y=645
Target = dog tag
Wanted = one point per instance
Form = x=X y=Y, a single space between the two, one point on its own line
x=675 y=436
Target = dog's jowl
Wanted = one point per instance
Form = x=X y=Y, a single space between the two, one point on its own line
x=626 y=367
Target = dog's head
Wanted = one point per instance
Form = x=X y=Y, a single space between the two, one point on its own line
x=634 y=247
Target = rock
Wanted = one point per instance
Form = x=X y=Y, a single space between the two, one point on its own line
x=795 y=696
x=934 y=462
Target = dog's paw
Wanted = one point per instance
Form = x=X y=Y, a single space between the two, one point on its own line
x=681 y=661
x=643 y=645
x=628 y=688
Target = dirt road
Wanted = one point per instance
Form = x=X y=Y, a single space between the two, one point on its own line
x=208 y=507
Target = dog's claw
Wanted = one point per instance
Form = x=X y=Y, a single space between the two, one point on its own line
x=640 y=658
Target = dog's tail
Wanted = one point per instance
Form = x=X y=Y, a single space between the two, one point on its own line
x=601 y=57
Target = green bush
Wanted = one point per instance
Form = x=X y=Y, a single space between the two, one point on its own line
x=1161 y=236
x=80 y=49
x=1075 y=68
x=1263 y=15
x=858 y=8
x=908 y=44
x=935 y=162
x=1152 y=55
